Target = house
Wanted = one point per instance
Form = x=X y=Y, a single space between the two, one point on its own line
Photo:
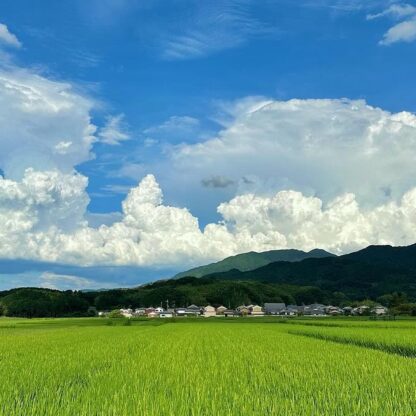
x=231 y=313
x=127 y=313
x=152 y=314
x=379 y=310
x=159 y=309
x=361 y=310
x=315 y=309
x=292 y=310
x=333 y=310
x=180 y=311
x=209 y=311
x=166 y=315
x=139 y=312
x=242 y=310
x=147 y=311
x=255 y=310
x=274 y=308
x=193 y=310
x=347 y=310
x=221 y=309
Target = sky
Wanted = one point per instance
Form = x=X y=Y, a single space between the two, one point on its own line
x=142 y=138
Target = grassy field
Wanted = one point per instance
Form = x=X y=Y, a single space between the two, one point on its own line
x=207 y=367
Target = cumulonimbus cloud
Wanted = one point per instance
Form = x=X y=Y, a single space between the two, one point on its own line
x=322 y=147
x=151 y=233
x=44 y=124
x=342 y=179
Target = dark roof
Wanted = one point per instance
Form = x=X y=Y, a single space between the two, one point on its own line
x=274 y=307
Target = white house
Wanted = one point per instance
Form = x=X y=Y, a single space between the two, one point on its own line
x=127 y=313
x=379 y=310
x=255 y=310
x=209 y=311
x=242 y=310
x=221 y=309
x=140 y=312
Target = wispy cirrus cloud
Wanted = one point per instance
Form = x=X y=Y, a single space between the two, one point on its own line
x=404 y=30
x=114 y=131
x=175 y=128
x=212 y=27
x=7 y=38
x=395 y=10
x=62 y=281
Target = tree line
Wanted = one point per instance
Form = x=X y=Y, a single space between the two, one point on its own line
x=39 y=302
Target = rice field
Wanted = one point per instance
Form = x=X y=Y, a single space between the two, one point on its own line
x=207 y=367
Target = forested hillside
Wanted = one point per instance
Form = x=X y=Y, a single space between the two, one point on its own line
x=253 y=260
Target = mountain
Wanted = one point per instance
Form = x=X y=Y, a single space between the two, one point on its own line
x=375 y=273
x=387 y=256
x=253 y=260
x=370 y=272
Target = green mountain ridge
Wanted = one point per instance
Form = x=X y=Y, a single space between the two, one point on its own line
x=253 y=260
x=371 y=272
x=383 y=274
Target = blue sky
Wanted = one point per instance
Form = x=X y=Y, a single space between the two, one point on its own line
x=161 y=77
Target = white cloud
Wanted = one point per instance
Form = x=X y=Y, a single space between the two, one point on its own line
x=41 y=201
x=114 y=189
x=331 y=163
x=152 y=234
x=129 y=170
x=7 y=38
x=114 y=132
x=212 y=27
x=322 y=147
x=44 y=124
x=95 y=219
x=68 y=282
x=397 y=11
x=404 y=31
x=175 y=129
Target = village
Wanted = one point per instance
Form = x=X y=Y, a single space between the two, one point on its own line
x=269 y=309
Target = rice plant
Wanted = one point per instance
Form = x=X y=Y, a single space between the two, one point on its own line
x=85 y=367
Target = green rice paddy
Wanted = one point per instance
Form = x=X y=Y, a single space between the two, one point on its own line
x=207 y=367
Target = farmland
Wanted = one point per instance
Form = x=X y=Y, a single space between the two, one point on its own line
x=207 y=367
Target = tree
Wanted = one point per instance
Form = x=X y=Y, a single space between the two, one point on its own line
x=115 y=313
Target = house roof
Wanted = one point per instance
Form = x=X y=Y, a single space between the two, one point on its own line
x=274 y=306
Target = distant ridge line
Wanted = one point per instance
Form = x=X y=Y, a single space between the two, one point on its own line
x=252 y=260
